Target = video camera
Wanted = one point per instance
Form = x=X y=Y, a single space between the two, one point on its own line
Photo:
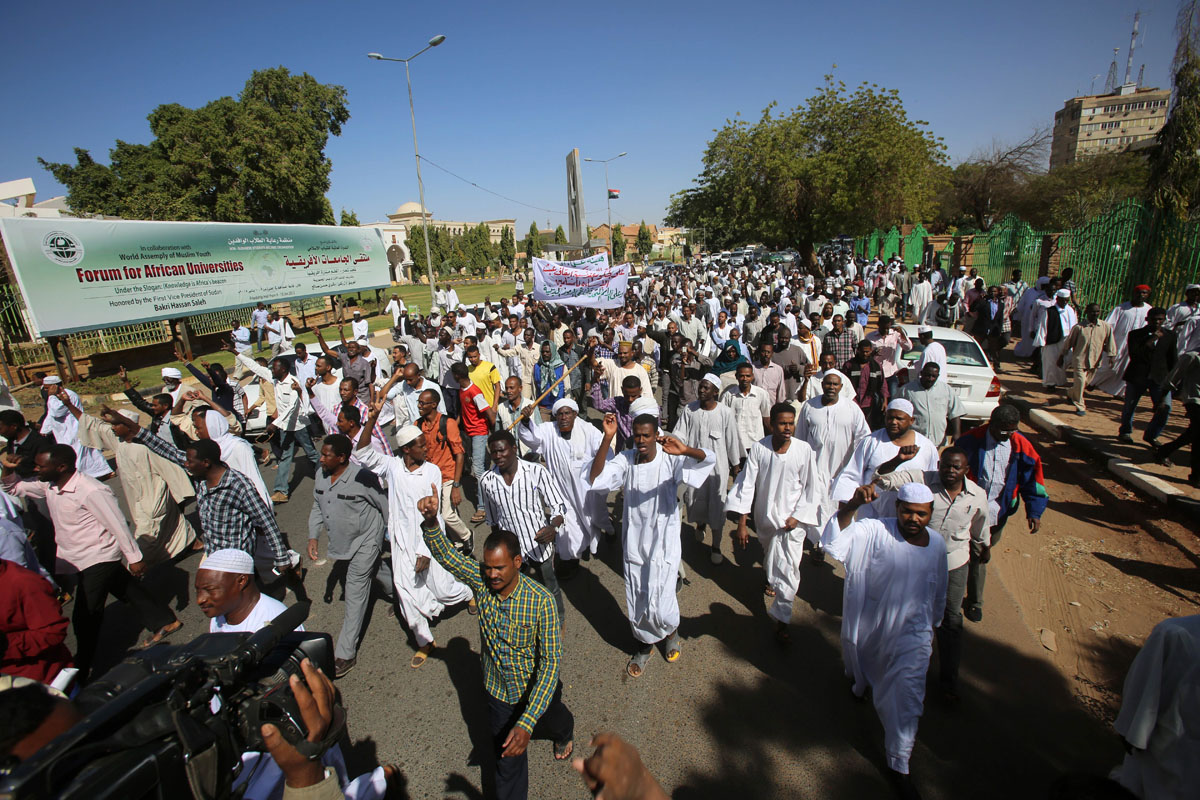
x=173 y=722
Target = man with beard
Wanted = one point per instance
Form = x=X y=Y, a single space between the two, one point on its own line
x=831 y=424
x=897 y=442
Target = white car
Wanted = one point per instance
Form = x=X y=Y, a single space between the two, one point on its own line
x=968 y=371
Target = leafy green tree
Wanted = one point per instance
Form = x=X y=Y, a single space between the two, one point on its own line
x=618 y=244
x=1174 y=182
x=560 y=236
x=508 y=247
x=349 y=219
x=258 y=158
x=842 y=163
x=533 y=244
x=645 y=244
x=1070 y=195
x=477 y=244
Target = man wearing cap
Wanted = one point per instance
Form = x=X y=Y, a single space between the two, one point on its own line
x=920 y=296
x=960 y=515
x=650 y=473
x=936 y=406
x=616 y=371
x=1052 y=327
x=897 y=442
x=423 y=586
x=1152 y=356
x=353 y=363
x=359 y=328
x=65 y=428
x=350 y=504
x=750 y=405
x=932 y=351
x=707 y=424
x=781 y=473
x=1089 y=343
x=1023 y=316
x=893 y=597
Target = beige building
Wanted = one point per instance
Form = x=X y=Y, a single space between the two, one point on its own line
x=409 y=214
x=1107 y=123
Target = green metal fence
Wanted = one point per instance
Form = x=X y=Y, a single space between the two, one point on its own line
x=914 y=245
x=1109 y=254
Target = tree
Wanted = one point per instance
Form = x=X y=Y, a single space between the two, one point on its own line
x=1070 y=195
x=560 y=236
x=618 y=244
x=1174 y=182
x=349 y=219
x=257 y=158
x=508 y=247
x=645 y=244
x=987 y=185
x=477 y=245
x=533 y=244
x=842 y=163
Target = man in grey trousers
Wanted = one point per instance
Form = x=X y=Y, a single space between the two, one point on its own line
x=351 y=505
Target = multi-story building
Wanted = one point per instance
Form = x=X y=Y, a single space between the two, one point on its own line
x=1107 y=123
x=395 y=231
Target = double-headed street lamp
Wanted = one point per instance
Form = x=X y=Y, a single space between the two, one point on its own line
x=434 y=42
x=608 y=196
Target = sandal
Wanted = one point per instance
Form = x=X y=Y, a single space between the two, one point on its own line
x=768 y=591
x=637 y=663
x=479 y=517
x=421 y=656
x=563 y=751
x=673 y=650
x=158 y=637
x=472 y=607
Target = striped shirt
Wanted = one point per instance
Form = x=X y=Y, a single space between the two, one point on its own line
x=524 y=507
x=519 y=634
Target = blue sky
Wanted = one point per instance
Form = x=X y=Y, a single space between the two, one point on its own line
x=517 y=85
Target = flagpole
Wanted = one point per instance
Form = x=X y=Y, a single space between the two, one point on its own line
x=608 y=200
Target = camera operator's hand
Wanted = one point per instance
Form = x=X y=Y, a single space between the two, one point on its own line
x=315 y=696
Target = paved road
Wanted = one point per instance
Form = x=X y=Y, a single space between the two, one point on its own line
x=736 y=716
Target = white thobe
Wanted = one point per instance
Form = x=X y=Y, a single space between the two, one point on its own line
x=934 y=353
x=714 y=430
x=569 y=460
x=65 y=427
x=651 y=542
x=749 y=410
x=422 y=596
x=893 y=598
x=920 y=296
x=1024 y=315
x=1158 y=705
x=395 y=307
x=831 y=431
x=787 y=485
x=866 y=457
x=1123 y=319
x=1052 y=374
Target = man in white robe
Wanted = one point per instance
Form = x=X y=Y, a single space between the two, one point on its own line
x=1023 y=316
x=782 y=472
x=831 y=424
x=154 y=487
x=707 y=424
x=933 y=352
x=1182 y=317
x=60 y=422
x=1052 y=327
x=568 y=448
x=893 y=598
x=920 y=296
x=897 y=442
x=1127 y=317
x=650 y=473
x=1157 y=720
x=423 y=586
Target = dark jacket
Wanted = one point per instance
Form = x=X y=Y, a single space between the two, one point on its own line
x=1151 y=358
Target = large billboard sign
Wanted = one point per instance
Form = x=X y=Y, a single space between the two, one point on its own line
x=79 y=275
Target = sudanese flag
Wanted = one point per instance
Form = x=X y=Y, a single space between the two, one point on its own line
x=614 y=194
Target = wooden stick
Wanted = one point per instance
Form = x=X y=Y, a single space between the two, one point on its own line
x=549 y=389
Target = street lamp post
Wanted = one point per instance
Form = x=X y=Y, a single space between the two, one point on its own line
x=434 y=42
x=608 y=197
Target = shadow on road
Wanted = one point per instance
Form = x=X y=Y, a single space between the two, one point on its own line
x=466 y=675
x=1169 y=579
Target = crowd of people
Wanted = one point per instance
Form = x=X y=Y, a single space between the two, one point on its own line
x=759 y=397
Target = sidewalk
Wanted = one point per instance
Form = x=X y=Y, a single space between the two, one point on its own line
x=1095 y=435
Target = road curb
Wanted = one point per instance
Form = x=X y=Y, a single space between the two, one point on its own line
x=1130 y=474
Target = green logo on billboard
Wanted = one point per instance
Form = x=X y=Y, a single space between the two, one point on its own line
x=63 y=248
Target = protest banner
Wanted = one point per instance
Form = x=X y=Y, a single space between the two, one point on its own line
x=79 y=275
x=589 y=282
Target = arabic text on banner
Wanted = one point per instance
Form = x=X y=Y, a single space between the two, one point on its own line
x=79 y=275
x=589 y=282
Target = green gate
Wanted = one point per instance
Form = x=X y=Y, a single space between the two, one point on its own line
x=914 y=246
x=891 y=244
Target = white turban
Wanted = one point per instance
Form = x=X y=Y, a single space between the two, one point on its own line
x=407 y=435
x=900 y=404
x=914 y=493
x=1063 y=293
x=713 y=379
x=238 y=562
x=643 y=405
x=50 y=380
x=171 y=372
x=1191 y=286
x=565 y=402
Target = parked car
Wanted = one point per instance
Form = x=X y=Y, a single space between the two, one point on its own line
x=967 y=370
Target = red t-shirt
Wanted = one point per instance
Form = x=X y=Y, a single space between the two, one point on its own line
x=473 y=404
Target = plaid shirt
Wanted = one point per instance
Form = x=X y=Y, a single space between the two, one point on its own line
x=230 y=511
x=519 y=633
x=840 y=344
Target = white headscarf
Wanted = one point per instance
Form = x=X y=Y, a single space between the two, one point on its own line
x=235 y=452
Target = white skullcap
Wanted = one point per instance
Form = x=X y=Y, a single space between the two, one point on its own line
x=962 y=268
x=238 y=562
x=1042 y=281
x=1191 y=286
x=50 y=380
x=924 y=329
x=407 y=435
x=362 y=340
x=565 y=402
x=1063 y=293
x=900 y=404
x=171 y=372
x=914 y=493
x=357 y=312
x=802 y=321
x=713 y=379
x=643 y=405
x=129 y=415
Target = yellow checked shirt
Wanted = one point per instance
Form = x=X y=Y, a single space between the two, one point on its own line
x=519 y=634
